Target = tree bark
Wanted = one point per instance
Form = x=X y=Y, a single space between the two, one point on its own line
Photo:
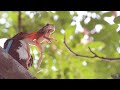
x=11 y=69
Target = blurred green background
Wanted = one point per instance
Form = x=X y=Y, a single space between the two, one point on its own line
x=96 y=29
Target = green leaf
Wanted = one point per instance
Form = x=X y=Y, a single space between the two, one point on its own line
x=117 y=20
x=96 y=45
x=108 y=14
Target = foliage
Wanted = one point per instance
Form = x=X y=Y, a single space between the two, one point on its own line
x=82 y=29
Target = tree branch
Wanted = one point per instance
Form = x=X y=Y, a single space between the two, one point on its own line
x=11 y=69
x=116 y=76
x=19 y=21
x=95 y=55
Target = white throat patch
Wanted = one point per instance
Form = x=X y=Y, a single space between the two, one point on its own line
x=23 y=54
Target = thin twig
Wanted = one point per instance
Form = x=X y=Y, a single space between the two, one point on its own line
x=95 y=55
x=74 y=52
x=92 y=52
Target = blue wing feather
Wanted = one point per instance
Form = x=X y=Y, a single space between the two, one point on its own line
x=8 y=46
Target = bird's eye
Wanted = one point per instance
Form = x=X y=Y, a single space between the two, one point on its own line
x=48 y=30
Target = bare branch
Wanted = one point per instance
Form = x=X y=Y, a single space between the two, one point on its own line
x=95 y=55
x=74 y=52
x=92 y=52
